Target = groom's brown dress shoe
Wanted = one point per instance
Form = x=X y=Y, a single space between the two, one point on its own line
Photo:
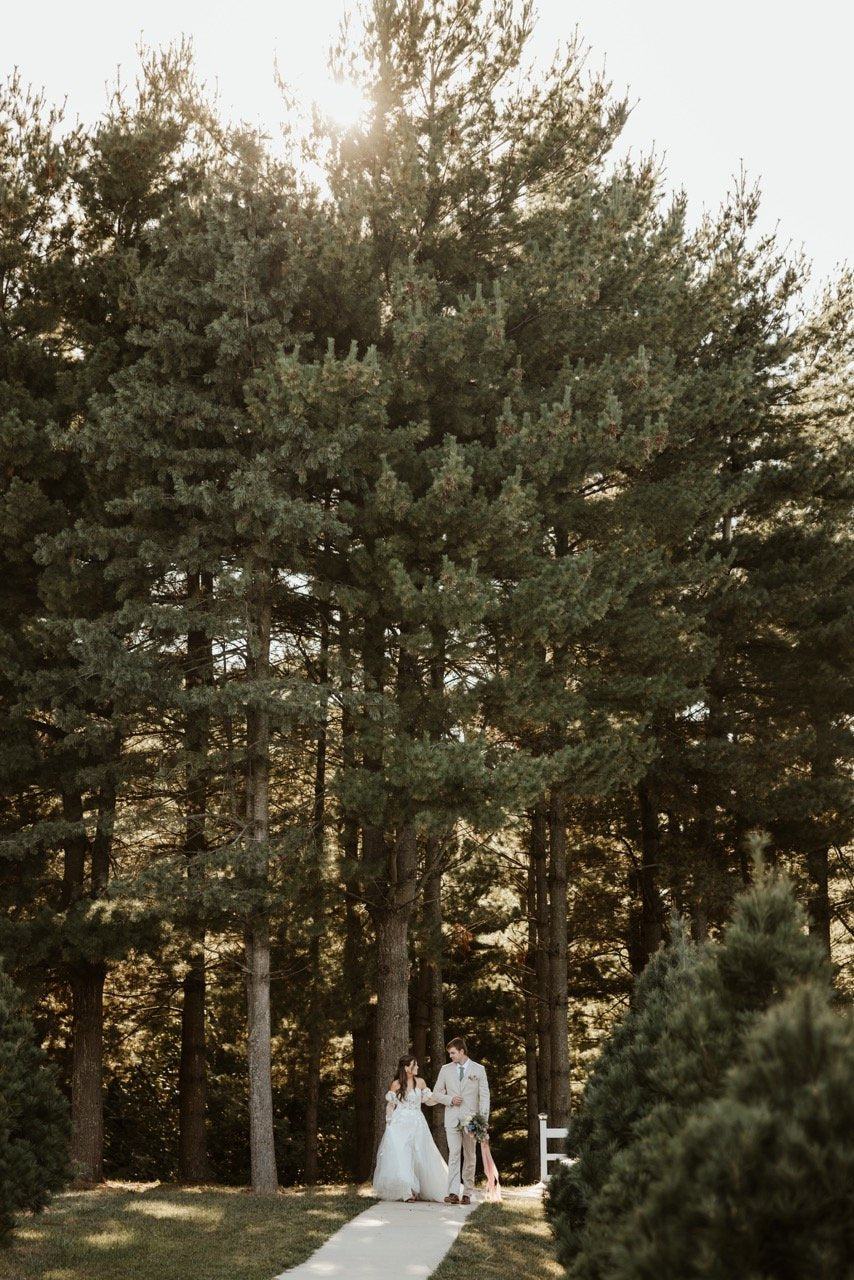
x=466 y=1200
x=452 y=1199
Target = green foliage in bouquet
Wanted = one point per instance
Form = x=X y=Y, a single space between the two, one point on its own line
x=477 y=1125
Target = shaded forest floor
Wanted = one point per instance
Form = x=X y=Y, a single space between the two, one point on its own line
x=136 y=1231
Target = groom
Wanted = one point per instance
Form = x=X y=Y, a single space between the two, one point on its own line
x=463 y=1090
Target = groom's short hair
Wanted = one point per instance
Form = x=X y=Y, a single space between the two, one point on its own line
x=457 y=1043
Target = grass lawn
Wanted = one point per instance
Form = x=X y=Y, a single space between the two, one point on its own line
x=504 y=1241
x=135 y=1232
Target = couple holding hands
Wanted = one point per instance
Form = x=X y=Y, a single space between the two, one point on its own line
x=409 y=1165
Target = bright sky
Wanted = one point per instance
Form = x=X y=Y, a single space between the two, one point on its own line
x=766 y=84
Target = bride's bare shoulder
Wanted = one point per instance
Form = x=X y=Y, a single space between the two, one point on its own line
x=420 y=1084
x=395 y=1086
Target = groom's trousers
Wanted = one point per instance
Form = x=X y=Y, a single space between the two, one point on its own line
x=461 y=1144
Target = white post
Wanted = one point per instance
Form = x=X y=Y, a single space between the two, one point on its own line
x=545 y=1154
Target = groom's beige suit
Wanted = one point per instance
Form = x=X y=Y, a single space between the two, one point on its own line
x=473 y=1088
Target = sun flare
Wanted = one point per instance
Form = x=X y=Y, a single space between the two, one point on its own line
x=343 y=102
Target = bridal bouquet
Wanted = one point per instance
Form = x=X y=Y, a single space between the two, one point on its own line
x=476 y=1125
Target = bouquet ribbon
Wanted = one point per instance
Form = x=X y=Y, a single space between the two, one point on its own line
x=493 y=1186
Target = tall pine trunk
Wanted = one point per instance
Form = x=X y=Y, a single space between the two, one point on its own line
x=357 y=985
x=86 y=1013
x=421 y=1013
x=539 y=851
x=558 y=967
x=438 y=849
x=434 y=987
x=529 y=986
x=312 y=1083
x=391 y=865
x=261 y=1140
x=391 y=915
x=86 y=979
x=193 y=1165
x=87 y=1110
x=315 y=996
x=558 y=977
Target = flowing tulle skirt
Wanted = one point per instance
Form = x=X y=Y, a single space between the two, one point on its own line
x=408 y=1161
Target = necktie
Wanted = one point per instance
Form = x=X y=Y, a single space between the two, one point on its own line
x=462 y=1071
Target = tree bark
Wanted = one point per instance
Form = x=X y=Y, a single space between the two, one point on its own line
x=315 y=1015
x=86 y=979
x=558 y=967
x=648 y=931
x=421 y=1013
x=432 y=909
x=314 y=1051
x=193 y=1165
x=261 y=1133
x=364 y=1058
x=391 y=922
x=699 y=919
x=391 y=869
x=361 y=1011
x=439 y=848
x=87 y=1112
x=539 y=851
x=529 y=987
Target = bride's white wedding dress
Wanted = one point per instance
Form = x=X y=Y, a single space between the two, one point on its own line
x=408 y=1161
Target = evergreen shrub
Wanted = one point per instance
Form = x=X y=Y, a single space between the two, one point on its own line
x=34 y=1123
x=715 y=1135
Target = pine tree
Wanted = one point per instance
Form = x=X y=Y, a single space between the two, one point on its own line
x=600 y=638
x=445 y=220
x=43 y=491
x=808 y=583
x=718 y=761
x=72 y=697
x=211 y=468
x=758 y=1181
x=34 y=1126
x=619 y=1092
x=668 y=1062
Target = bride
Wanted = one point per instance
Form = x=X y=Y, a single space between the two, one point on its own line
x=409 y=1166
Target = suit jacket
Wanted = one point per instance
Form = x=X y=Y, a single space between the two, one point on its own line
x=474 y=1091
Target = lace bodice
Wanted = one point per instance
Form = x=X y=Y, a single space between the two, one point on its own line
x=413 y=1099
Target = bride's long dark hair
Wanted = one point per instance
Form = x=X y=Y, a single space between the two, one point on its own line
x=401 y=1071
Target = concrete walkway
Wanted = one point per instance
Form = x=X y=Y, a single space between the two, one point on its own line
x=391 y=1239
